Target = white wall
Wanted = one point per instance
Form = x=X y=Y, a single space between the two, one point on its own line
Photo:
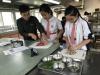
x=59 y=16
x=90 y=6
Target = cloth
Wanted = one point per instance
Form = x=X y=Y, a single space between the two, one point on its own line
x=73 y=35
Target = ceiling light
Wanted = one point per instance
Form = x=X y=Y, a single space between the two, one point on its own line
x=77 y=0
x=7 y=1
x=52 y=1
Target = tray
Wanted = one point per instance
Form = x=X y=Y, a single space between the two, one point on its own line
x=47 y=69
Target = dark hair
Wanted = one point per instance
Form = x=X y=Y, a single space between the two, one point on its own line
x=63 y=18
x=71 y=10
x=23 y=8
x=86 y=13
x=45 y=8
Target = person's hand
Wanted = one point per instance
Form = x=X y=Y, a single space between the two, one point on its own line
x=56 y=40
x=44 y=37
x=71 y=50
x=33 y=36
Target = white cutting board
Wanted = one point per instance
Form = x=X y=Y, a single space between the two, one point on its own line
x=41 y=47
x=80 y=54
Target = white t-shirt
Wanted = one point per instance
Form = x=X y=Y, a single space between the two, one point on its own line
x=55 y=24
x=82 y=30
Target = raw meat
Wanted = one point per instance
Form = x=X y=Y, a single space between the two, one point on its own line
x=42 y=43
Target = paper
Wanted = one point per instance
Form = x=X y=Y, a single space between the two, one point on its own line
x=4 y=43
x=15 y=50
x=41 y=47
x=80 y=54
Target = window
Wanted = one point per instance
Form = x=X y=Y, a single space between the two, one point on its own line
x=8 y=21
x=1 y=23
x=38 y=15
x=8 y=18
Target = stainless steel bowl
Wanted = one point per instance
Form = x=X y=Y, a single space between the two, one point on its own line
x=48 y=58
x=64 y=59
x=57 y=56
x=73 y=66
x=55 y=65
x=59 y=66
x=69 y=60
x=77 y=60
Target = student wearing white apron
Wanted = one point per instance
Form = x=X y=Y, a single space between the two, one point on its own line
x=50 y=23
x=77 y=32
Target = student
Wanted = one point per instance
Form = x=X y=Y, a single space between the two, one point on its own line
x=77 y=33
x=86 y=16
x=51 y=24
x=63 y=21
x=28 y=25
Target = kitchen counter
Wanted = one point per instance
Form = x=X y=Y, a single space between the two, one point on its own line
x=21 y=63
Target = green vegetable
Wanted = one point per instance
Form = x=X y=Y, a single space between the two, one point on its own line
x=47 y=65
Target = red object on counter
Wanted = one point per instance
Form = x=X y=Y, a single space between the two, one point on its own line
x=42 y=43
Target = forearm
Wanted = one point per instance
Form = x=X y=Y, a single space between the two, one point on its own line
x=60 y=33
x=84 y=42
x=67 y=41
x=25 y=35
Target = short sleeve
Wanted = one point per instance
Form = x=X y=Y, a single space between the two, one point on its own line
x=86 y=30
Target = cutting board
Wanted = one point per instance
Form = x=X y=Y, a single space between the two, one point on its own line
x=41 y=47
x=80 y=54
